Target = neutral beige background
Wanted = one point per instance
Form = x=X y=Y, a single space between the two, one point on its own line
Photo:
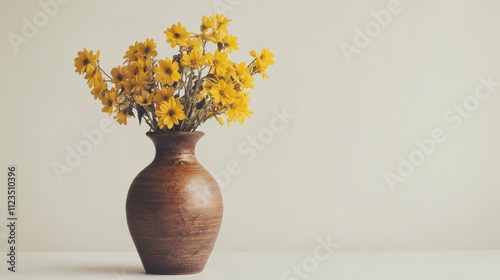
x=320 y=174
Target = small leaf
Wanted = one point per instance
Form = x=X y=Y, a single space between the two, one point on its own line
x=140 y=113
x=200 y=104
x=129 y=111
x=177 y=58
x=211 y=77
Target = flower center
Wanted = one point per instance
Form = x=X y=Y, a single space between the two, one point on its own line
x=168 y=71
x=171 y=112
x=86 y=61
x=177 y=35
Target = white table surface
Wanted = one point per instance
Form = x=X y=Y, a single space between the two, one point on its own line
x=447 y=265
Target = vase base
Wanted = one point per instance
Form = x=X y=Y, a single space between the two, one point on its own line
x=173 y=271
x=157 y=265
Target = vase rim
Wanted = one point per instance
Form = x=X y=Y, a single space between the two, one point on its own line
x=162 y=132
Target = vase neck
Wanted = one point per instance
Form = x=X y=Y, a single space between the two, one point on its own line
x=175 y=144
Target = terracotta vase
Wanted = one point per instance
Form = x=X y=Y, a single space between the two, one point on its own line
x=174 y=207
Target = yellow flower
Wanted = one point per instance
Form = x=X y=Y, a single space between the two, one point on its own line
x=219 y=35
x=169 y=113
x=238 y=110
x=218 y=63
x=109 y=101
x=132 y=53
x=138 y=83
x=167 y=72
x=229 y=43
x=230 y=72
x=119 y=75
x=193 y=44
x=193 y=59
x=144 y=99
x=244 y=76
x=223 y=92
x=177 y=35
x=199 y=96
x=99 y=90
x=127 y=87
x=139 y=66
x=85 y=61
x=207 y=25
x=93 y=78
x=221 y=21
x=263 y=60
x=147 y=65
x=207 y=86
x=163 y=94
x=148 y=48
x=180 y=92
x=262 y=71
x=122 y=117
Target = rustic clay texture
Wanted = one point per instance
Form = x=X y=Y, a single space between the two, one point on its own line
x=174 y=207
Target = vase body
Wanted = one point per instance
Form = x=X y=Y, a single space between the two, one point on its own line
x=174 y=207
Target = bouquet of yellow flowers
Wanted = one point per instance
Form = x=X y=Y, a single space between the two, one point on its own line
x=181 y=93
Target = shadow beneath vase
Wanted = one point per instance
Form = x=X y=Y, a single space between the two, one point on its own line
x=124 y=273
x=118 y=272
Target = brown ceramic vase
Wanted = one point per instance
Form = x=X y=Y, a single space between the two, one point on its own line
x=174 y=207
